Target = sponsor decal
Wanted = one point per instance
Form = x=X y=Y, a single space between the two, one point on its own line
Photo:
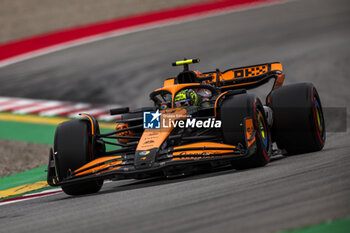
x=191 y=155
x=195 y=154
x=144 y=153
x=153 y=134
x=250 y=71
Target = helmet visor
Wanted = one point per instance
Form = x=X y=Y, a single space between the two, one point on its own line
x=182 y=103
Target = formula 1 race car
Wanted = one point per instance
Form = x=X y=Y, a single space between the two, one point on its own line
x=199 y=121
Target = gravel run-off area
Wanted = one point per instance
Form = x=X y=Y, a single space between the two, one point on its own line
x=17 y=156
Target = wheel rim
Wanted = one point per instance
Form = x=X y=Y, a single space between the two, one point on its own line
x=262 y=128
x=319 y=117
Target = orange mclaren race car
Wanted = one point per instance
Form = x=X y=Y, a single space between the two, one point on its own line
x=198 y=121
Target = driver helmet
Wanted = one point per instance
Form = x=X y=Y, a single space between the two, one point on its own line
x=186 y=98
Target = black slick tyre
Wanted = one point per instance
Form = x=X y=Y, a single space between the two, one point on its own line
x=298 y=121
x=233 y=111
x=73 y=147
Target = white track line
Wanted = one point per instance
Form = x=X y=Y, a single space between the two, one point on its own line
x=49 y=192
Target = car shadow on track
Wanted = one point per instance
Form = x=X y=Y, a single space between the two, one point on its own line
x=157 y=181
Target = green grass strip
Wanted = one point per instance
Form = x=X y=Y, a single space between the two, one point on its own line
x=28 y=132
x=26 y=177
x=335 y=226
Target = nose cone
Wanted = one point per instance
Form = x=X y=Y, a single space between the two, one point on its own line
x=152 y=139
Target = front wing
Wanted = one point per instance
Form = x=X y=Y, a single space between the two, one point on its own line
x=123 y=167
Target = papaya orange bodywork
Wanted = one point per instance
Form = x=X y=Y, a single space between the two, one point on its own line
x=115 y=160
x=279 y=81
x=121 y=126
x=91 y=121
x=244 y=72
x=276 y=67
x=147 y=152
x=217 y=100
x=249 y=131
x=169 y=82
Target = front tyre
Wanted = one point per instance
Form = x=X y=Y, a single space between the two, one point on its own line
x=73 y=147
x=233 y=111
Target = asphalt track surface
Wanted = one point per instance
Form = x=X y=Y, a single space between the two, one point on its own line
x=310 y=38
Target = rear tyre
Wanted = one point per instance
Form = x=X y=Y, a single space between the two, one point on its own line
x=73 y=147
x=233 y=112
x=298 y=124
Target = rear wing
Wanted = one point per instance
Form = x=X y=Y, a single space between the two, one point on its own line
x=245 y=77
